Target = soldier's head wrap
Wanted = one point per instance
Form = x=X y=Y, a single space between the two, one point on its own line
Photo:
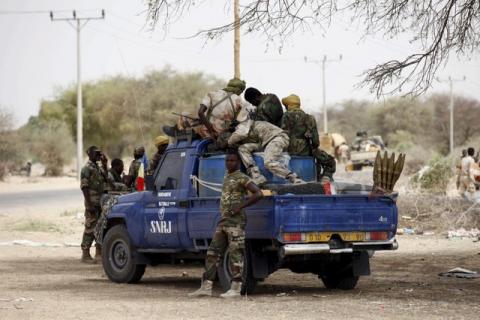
x=160 y=140
x=291 y=102
x=235 y=86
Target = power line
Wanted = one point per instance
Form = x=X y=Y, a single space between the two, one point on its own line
x=27 y=12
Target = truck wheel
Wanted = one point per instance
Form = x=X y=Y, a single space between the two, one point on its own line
x=225 y=272
x=339 y=282
x=118 y=257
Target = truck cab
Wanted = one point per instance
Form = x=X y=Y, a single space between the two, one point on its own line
x=301 y=228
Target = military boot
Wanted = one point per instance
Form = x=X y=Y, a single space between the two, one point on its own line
x=257 y=177
x=235 y=290
x=98 y=254
x=205 y=290
x=294 y=179
x=86 y=257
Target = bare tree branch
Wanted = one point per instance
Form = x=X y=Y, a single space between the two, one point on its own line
x=440 y=27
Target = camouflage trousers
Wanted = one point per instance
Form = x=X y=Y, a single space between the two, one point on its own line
x=326 y=164
x=91 y=218
x=225 y=237
x=272 y=155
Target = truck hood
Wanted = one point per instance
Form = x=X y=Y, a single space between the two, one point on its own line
x=132 y=197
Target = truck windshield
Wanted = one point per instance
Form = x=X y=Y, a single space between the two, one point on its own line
x=169 y=175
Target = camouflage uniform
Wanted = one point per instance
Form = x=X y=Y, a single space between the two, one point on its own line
x=133 y=172
x=270 y=110
x=230 y=231
x=274 y=141
x=304 y=141
x=93 y=179
x=115 y=181
x=222 y=109
x=154 y=163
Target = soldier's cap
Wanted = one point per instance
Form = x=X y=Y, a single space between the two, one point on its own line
x=161 y=140
x=139 y=149
x=292 y=101
x=92 y=149
x=235 y=86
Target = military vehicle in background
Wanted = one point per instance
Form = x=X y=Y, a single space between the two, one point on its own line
x=364 y=150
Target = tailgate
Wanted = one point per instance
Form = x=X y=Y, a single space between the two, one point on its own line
x=317 y=217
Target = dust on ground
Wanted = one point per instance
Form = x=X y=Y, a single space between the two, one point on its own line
x=50 y=283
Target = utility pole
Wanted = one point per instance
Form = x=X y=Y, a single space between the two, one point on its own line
x=452 y=108
x=236 y=39
x=324 y=62
x=78 y=23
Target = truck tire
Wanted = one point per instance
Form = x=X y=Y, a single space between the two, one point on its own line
x=225 y=274
x=118 y=257
x=340 y=282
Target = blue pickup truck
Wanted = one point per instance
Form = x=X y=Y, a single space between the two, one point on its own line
x=331 y=236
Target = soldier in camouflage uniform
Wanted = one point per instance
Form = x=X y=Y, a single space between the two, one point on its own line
x=268 y=106
x=114 y=177
x=304 y=141
x=138 y=153
x=161 y=143
x=92 y=184
x=230 y=231
x=272 y=140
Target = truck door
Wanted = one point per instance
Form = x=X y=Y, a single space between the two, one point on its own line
x=162 y=210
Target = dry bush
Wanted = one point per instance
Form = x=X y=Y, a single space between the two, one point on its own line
x=436 y=177
x=437 y=213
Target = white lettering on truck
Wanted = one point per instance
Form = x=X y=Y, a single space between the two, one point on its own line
x=160 y=226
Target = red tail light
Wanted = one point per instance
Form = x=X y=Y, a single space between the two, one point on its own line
x=288 y=237
x=378 y=236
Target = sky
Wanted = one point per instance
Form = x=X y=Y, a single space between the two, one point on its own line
x=38 y=56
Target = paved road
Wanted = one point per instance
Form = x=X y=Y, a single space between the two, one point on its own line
x=40 y=198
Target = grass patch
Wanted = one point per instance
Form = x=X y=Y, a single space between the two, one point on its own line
x=69 y=213
x=36 y=226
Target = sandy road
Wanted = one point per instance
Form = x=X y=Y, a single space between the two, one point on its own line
x=403 y=285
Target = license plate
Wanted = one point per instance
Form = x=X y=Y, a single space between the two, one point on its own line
x=325 y=236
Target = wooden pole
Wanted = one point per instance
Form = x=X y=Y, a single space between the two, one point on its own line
x=236 y=41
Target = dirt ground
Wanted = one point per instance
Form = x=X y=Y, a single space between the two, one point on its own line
x=48 y=282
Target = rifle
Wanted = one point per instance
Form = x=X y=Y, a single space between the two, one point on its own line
x=194 y=121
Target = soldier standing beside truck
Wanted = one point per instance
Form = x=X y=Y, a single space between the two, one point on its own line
x=304 y=141
x=138 y=153
x=92 y=184
x=230 y=230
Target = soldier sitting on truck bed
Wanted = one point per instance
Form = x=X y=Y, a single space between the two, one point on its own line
x=304 y=141
x=271 y=139
x=216 y=111
x=268 y=106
